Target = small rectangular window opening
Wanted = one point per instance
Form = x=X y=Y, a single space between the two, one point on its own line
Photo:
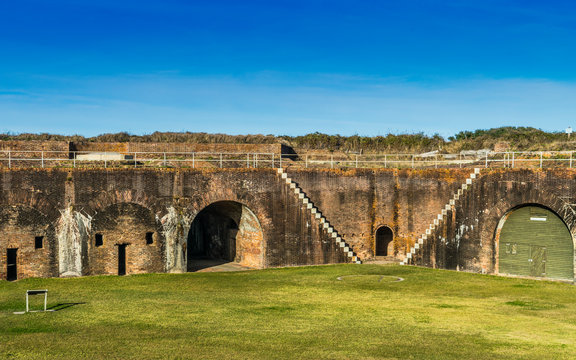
x=149 y=238
x=38 y=242
x=99 y=240
x=512 y=248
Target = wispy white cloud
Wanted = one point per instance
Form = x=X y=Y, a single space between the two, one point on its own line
x=284 y=104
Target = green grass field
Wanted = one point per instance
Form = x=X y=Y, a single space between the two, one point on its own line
x=293 y=313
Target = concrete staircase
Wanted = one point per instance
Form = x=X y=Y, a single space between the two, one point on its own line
x=430 y=230
x=317 y=215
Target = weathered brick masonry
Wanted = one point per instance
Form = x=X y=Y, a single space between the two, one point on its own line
x=86 y=216
x=468 y=239
x=121 y=207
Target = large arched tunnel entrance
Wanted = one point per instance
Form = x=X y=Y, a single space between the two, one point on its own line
x=534 y=241
x=225 y=231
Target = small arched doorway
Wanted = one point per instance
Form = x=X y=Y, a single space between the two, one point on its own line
x=534 y=241
x=225 y=231
x=384 y=241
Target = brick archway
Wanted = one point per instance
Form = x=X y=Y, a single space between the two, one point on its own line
x=228 y=231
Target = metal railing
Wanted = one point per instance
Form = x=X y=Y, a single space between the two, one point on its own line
x=84 y=159
x=516 y=159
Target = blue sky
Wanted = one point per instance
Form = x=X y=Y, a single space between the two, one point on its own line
x=286 y=67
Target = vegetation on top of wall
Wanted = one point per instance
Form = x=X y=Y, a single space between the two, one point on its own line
x=503 y=138
x=371 y=144
x=516 y=138
x=156 y=137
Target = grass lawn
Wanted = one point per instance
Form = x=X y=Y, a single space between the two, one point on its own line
x=300 y=313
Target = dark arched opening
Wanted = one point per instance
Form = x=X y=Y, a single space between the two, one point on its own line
x=225 y=231
x=384 y=244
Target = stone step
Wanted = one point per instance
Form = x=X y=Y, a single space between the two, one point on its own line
x=381 y=260
x=318 y=215
x=439 y=218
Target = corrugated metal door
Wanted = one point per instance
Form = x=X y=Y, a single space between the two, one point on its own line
x=537 y=260
x=535 y=242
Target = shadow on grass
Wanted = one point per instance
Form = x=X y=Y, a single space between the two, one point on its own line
x=204 y=263
x=63 y=306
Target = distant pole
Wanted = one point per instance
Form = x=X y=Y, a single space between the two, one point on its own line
x=540 y=159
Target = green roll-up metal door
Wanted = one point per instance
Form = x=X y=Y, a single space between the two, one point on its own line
x=535 y=242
